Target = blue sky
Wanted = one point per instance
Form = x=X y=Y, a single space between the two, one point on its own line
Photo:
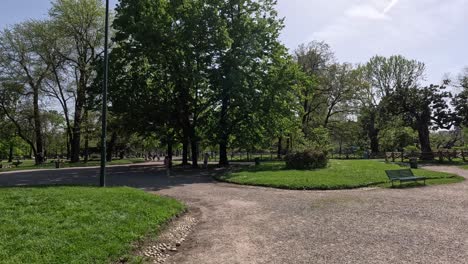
x=432 y=31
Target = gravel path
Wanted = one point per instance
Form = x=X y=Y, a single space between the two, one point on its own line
x=259 y=225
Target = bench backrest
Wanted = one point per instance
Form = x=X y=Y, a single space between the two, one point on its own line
x=396 y=174
x=406 y=173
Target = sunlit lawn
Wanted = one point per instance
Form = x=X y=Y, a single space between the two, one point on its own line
x=340 y=174
x=77 y=224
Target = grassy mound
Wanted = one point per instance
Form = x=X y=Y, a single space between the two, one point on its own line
x=340 y=174
x=77 y=224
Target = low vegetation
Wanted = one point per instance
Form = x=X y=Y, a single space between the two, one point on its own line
x=309 y=159
x=77 y=224
x=340 y=174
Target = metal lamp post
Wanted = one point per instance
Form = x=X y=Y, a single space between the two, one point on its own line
x=102 y=178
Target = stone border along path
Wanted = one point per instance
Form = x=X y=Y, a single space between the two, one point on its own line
x=169 y=240
x=242 y=224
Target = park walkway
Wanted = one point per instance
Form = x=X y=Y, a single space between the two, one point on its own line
x=240 y=224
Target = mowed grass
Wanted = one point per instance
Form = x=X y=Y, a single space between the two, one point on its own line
x=340 y=174
x=77 y=224
x=29 y=164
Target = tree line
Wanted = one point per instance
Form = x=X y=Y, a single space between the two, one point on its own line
x=199 y=75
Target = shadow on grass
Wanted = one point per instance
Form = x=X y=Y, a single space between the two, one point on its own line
x=48 y=186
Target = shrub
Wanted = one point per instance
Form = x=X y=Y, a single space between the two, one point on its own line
x=307 y=160
x=411 y=149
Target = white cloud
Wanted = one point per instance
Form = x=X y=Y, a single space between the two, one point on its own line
x=391 y=6
x=431 y=31
x=366 y=12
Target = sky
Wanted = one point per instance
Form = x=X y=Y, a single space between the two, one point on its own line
x=432 y=31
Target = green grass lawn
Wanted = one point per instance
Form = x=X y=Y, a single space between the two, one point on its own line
x=29 y=164
x=77 y=224
x=340 y=174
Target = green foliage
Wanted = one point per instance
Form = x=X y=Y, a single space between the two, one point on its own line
x=317 y=138
x=347 y=137
x=387 y=75
x=395 y=136
x=307 y=160
x=411 y=149
x=460 y=101
x=202 y=69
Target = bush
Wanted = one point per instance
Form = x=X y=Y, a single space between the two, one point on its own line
x=411 y=149
x=307 y=160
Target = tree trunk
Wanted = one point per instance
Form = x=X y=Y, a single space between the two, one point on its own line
x=194 y=148
x=374 y=141
x=424 y=141
x=86 y=146
x=223 y=157
x=10 y=154
x=169 y=151
x=340 y=150
x=224 y=136
x=110 y=146
x=79 y=106
x=68 y=147
x=75 y=142
x=280 y=147
x=373 y=134
x=39 y=157
x=185 y=144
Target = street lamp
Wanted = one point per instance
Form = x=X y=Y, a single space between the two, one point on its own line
x=102 y=178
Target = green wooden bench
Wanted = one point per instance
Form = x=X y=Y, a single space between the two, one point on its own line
x=405 y=175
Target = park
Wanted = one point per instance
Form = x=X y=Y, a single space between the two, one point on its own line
x=187 y=131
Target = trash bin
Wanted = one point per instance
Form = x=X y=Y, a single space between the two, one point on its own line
x=414 y=163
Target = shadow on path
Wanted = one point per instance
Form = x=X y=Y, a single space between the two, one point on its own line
x=151 y=178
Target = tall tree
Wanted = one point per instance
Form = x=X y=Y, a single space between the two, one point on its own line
x=313 y=59
x=385 y=76
x=179 y=46
x=338 y=89
x=423 y=109
x=82 y=23
x=253 y=28
x=24 y=68
x=460 y=101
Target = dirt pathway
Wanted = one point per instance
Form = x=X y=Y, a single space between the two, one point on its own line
x=260 y=225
